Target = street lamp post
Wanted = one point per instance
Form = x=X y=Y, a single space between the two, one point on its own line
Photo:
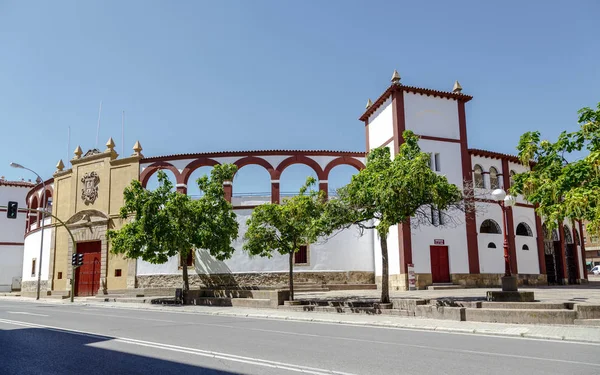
x=39 y=280
x=509 y=282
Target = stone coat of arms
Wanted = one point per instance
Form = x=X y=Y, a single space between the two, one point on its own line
x=89 y=193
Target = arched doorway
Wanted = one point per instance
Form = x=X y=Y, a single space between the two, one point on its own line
x=551 y=251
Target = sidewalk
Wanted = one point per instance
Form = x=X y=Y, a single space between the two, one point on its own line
x=547 y=332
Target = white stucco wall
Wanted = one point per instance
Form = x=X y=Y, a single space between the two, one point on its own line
x=32 y=250
x=11 y=236
x=527 y=260
x=490 y=260
x=381 y=124
x=10 y=266
x=454 y=236
x=346 y=251
x=431 y=115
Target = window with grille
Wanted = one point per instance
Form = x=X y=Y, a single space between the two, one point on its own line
x=494 y=181
x=478 y=177
x=437 y=217
x=301 y=256
x=437 y=162
x=189 y=259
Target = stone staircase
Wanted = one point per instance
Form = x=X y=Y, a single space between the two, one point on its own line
x=444 y=286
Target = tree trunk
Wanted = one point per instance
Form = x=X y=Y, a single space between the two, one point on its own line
x=186 y=281
x=291 y=276
x=385 y=273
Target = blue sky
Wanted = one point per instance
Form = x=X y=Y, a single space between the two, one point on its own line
x=195 y=76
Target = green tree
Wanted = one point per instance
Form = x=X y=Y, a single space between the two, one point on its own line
x=564 y=176
x=164 y=223
x=287 y=226
x=390 y=191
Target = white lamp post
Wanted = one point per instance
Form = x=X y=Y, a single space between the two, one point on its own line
x=509 y=282
x=15 y=165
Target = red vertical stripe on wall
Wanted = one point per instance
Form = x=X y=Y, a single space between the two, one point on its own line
x=470 y=223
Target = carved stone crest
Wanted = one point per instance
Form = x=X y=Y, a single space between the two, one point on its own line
x=89 y=193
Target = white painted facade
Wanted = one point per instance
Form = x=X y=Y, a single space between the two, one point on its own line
x=32 y=251
x=381 y=125
x=346 y=251
x=11 y=236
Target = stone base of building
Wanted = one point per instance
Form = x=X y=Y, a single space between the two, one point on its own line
x=494 y=280
x=31 y=286
x=266 y=279
x=482 y=280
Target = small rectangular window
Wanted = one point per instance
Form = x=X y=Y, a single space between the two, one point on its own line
x=301 y=256
x=118 y=272
x=59 y=276
x=189 y=259
x=437 y=164
x=430 y=163
x=33 y=262
x=437 y=217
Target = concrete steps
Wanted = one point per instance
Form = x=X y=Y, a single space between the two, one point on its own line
x=347 y=310
x=521 y=316
x=587 y=322
x=235 y=302
x=445 y=286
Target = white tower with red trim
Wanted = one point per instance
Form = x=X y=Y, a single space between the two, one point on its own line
x=438 y=254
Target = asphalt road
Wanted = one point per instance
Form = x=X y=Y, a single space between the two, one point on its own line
x=62 y=339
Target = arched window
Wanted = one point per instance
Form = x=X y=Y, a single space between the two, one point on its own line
x=568 y=236
x=525 y=247
x=512 y=177
x=494 y=182
x=524 y=230
x=478 y=176
x=490 y=226
x=491 y=245
x=577 y=239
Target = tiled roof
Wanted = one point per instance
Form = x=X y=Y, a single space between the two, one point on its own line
x=416 y=90
x=254 y=153
x=24 y=184
x=494 y=155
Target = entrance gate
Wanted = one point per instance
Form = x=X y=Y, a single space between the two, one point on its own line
x=87 y=276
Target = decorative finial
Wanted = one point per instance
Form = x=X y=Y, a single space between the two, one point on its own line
x=457 y=88
x=396 y=77
x=369 y=103
x=137 y=149
x=110 y=145
x=78 y=152
x=60 y=166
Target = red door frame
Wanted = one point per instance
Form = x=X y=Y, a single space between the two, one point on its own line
x=440 y=263
x=87 y=276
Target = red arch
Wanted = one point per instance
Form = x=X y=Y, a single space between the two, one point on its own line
x=253 y=160
x=154 y=167
x=343 y=160
x=299 y=159
x=191 y=167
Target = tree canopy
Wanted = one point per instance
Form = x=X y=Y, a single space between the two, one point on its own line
x=564 y=178
x=164 y=223
x=287 y=226
x=389 y=191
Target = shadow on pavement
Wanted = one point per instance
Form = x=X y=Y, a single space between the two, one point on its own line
x=49 y=351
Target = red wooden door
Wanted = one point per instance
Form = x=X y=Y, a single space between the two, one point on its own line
x=87 y=276
x=440 y=267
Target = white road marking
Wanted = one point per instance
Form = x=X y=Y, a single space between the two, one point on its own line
x=25 y=313
x=187 y=350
